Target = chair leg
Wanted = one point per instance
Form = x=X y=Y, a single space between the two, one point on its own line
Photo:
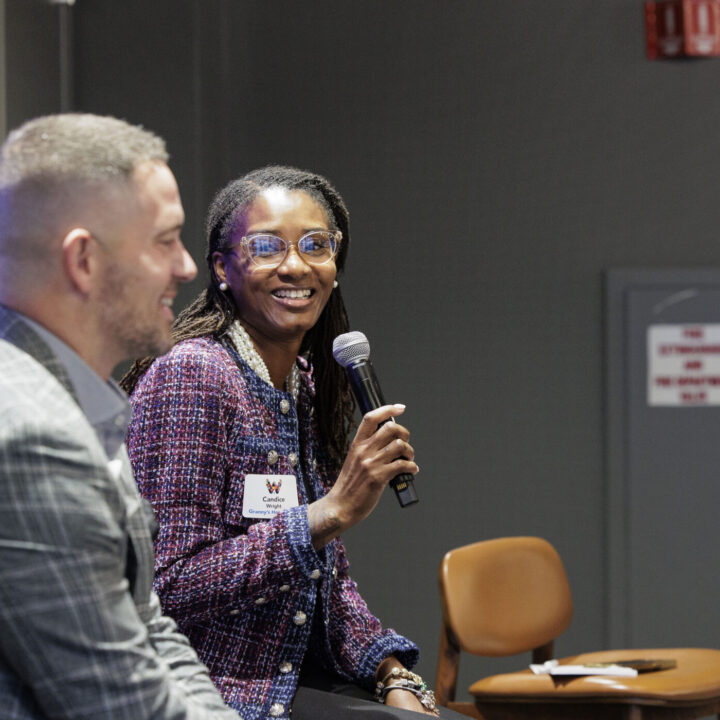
x=447 y=668
x=465 y=708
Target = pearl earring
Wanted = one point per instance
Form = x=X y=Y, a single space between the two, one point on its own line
x=335 y=283
x=223 y=286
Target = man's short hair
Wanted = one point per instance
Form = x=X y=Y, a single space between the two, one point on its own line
x=54 y=166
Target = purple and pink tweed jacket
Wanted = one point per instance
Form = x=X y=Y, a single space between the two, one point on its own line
x=254 y=596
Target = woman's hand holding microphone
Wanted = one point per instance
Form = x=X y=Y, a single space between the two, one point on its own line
x=379 y=452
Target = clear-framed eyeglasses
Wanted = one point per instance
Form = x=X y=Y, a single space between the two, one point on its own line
x=315 y=248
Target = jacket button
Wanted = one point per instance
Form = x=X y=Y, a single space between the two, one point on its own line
x=276 y=710
x=285 y=667
x=260 y=601
x=300 y=618
x=314 y=464
x=293 y=458
x=235 y=611
x=334 y=572
x=272 y=457
x=284 y=588
x=284 y=406
x=315 y=574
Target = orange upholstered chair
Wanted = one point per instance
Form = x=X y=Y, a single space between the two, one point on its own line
x=511 y=595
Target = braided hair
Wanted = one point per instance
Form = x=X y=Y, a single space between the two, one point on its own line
x=213 y=311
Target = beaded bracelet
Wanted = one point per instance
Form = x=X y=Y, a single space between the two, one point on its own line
x=412 y=687
x=409 y=681
x=404 y=673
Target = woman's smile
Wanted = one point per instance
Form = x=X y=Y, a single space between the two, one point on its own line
x=290 y=295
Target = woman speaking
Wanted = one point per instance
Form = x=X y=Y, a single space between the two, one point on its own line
x=240 y=440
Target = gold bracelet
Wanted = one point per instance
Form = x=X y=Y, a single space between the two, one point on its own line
x=404 y=674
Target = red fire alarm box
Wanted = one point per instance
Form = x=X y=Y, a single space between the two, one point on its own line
x=682 y=28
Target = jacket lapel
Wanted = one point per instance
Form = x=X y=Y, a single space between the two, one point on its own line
x=22 y=336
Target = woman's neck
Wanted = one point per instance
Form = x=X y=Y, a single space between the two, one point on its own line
x=278 y=355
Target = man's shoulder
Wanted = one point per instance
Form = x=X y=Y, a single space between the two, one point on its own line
x=47 y=445
x=18 y=368
x=29 y=388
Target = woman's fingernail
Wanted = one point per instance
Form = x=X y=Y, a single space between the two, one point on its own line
x=400 y=406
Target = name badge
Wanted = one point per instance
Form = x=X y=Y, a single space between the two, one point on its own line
x=267 y=495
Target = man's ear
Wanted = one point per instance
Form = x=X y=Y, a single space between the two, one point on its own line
x=79 y=249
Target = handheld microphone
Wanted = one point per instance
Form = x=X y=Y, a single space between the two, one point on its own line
x=352 y=351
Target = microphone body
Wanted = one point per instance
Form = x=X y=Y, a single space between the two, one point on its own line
x=367 y=392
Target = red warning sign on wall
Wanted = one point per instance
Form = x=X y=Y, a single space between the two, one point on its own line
x=683 y=365
x=682 y=28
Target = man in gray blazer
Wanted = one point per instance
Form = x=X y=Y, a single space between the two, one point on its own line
x=90 y=262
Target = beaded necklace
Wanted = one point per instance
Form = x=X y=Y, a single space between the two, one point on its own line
x=246 y=350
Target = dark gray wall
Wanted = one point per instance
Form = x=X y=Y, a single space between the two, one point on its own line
x=496 y=157
x=31 y=45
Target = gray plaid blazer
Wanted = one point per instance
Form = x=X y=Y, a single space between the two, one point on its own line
x=81 y=632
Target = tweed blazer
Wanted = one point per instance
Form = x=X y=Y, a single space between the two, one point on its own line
x=81 y=633
x=254 y=596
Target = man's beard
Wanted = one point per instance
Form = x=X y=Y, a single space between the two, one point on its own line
x=137 y=331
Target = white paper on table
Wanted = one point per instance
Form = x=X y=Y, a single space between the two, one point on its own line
x=553 y=667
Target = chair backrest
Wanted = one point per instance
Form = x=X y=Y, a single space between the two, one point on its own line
x=505 y=596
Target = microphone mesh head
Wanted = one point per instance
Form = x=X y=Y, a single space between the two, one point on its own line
x=350 y=348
